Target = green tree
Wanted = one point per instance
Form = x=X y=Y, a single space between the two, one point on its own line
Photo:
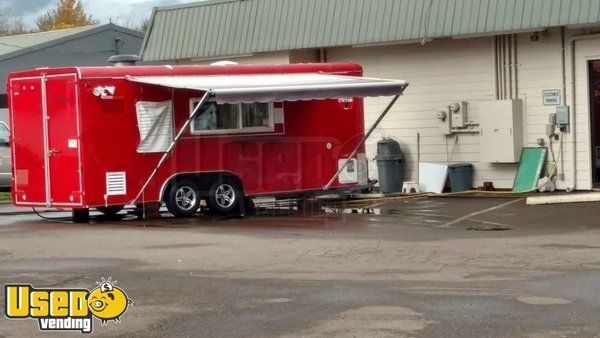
x=66 y=14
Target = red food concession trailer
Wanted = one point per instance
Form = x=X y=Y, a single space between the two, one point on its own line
x=106 y=137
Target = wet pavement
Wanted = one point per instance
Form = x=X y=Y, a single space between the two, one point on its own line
x=441 y=267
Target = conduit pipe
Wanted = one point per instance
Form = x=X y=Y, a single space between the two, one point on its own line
x=505 y=64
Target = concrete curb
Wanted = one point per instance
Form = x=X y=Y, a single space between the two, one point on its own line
x=559 y=199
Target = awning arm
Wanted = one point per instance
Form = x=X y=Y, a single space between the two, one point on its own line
x=185 y=126
x=361 y=143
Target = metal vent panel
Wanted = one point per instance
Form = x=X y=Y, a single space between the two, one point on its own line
x=116 y=183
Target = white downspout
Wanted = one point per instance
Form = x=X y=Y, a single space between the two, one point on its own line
x=496 y=68
x=561 y=173
x=515 y=66
x=573 y=121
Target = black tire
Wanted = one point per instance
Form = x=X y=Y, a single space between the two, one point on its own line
x=250 y=206
x=183 y=199
x=110 y=211
x=81 y=215
x=224 y=197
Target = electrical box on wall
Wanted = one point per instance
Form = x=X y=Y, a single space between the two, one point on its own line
x=453 y=119
x=563 y=118
x=444 y=122
x=458 y=113
x=562 y=115
x=501 y=124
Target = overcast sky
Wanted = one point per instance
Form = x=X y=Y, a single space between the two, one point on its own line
x=120 y=11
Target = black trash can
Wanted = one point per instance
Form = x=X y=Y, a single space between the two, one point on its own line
x=390 y=166
x=461 y=176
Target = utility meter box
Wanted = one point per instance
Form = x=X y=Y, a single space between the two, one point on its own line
x=501 y=137
x=562 y=115
x=453 y=119
x=458 y=114
x=444 y=122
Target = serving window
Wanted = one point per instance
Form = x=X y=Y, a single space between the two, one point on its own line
x=214 y=118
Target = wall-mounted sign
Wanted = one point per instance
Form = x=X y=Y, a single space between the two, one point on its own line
x=552 y=97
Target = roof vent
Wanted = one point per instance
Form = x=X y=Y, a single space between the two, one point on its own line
x=224 y=63
x=123 y=60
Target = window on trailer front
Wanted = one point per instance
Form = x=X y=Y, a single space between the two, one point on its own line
x=215 y=118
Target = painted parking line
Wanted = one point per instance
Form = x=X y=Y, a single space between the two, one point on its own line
x=458 y=220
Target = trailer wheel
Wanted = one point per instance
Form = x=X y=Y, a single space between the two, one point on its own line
x=110 y=211
x=183 y=199
x=224 y=197
x=250 y=206
x=81 y=215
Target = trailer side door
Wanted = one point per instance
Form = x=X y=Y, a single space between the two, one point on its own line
x=28 y=135
x=61 y=108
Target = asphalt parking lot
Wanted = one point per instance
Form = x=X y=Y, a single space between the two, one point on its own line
x=431 y=267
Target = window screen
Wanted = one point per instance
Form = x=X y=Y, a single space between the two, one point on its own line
x=213 y=117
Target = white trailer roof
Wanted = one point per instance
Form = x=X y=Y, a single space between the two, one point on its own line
x=279 y=87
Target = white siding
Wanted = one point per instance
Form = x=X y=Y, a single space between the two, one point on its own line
x=586 y=50
x=440 y=73
x=450 y=70
x=444 y=71
x=540 y=68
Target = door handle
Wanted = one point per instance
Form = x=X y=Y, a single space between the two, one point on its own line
x=53 y=152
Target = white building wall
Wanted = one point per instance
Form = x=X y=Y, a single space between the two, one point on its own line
x=440 y=72
x=449 y=70
x=540 y=68
x=585 y=51
x=444 y=71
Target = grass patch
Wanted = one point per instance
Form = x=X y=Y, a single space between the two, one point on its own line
x=4 y=196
